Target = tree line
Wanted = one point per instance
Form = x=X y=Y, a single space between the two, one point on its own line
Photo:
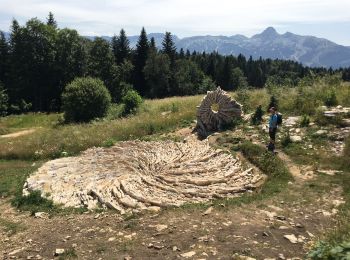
x=40 y=59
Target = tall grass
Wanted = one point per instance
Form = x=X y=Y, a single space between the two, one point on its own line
x=53 y=141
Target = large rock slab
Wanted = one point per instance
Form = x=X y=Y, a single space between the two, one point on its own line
x=137 y=174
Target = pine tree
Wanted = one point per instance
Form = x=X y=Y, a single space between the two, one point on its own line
x=4 y=58
x=51 y=20
x=152 y=45
x=141 y=54
x=188 y=54
x=168 y=47
x=181 y=54
x=121 y=48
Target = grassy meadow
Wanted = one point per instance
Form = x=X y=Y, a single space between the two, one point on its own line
x=53 y=138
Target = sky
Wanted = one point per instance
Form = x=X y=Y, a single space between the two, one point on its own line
x=322 y=18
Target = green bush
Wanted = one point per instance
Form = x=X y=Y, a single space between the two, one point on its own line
x=323 y=250
x=132 y=100
x=346 y=155
x=285 y=141
x=330 y=98
x=85 y=99
x=3 y=101
x=305 y=121
x=34 y=202
x=257 y=117
x=273 y=103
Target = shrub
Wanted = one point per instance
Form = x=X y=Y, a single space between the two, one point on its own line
x=257 y=117
x=132 y=100
x=330 y=99
x=324 y=250
x=305 y=121
x=273 y=103
x=34 y=202
x=285 y=141
x=3 y=101
x=346 y=155
x=85 y=99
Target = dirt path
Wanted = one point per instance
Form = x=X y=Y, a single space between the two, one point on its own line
x=19 y=133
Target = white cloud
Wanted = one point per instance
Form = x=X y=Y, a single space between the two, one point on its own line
x=182 y=17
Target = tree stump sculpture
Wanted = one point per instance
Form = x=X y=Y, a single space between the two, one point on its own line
x=216 y=110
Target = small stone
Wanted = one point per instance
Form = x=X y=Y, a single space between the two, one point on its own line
x=283 y=227
x=281 y=218
x=111 y=239
x=175 y=248
x=59 y=251
x=188 y=254
x=296 y=138
x=127 y=258
x=265 y=234
x=310 y=234
x=158 y=247
x=43 y=215
x=208 y=211
x=154 y=209
x=298 y=225
x=281 y=256
x=15 y=251
x=292 y=238
x=159 y=227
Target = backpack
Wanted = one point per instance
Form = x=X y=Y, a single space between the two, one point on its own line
x=279 y=119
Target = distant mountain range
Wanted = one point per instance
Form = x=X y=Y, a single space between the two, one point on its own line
x=309 y=50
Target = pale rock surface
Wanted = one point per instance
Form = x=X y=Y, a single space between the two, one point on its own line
x=141 y=175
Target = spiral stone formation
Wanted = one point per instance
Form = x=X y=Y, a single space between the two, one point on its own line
x=141 y=175
x=209 y=120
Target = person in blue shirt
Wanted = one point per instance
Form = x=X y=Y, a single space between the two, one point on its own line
x=272 y=128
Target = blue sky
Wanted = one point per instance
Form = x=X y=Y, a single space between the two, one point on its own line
x=321 y=18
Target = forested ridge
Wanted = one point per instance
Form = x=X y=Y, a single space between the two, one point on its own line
x=40 y=59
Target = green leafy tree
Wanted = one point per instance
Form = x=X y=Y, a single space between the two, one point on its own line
x=85 y=99
x=157 y=73
x=71 y=60
x=238 y=80
x=101 y=62
x=122 y=82
x=121 y=48
x=141 y=55
x=188 y=77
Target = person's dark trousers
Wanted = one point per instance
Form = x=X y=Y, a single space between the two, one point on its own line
x=272 y=134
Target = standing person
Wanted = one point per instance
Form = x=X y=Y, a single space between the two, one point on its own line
x=273 y=123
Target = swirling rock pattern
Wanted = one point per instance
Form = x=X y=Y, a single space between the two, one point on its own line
x=137 y=174
x=209 y=120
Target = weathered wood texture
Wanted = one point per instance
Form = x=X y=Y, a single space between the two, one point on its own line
x=209 y=120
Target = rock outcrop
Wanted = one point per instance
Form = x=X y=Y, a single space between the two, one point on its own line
x=142 y=175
